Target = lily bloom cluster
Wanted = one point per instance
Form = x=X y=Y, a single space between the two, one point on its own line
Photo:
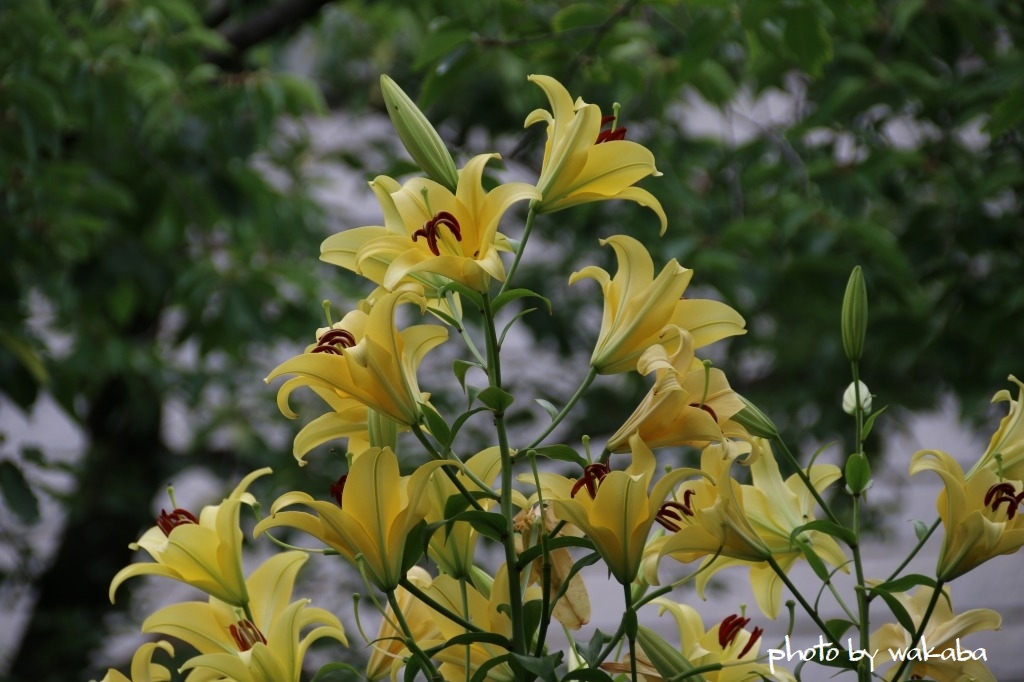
x=438 y=263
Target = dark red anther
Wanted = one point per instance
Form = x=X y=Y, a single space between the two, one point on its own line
x=729 y=628
x=331 y=339
x=430 y=228
x=609 y=135
x=246 y=635
x=754 y=636
x=706 y=408
x=338 y=488
x=593 y=474
x=1004 y=492
x=179 y=517
x=668 y=515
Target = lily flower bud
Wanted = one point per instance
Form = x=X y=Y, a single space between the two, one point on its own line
x=855 y=315
x=754 y=420
x=850 y=397
x=418 y=136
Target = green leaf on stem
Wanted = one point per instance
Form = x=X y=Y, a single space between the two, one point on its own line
x=837 y=627
x=504 y=331
x=828 y=528
x=535 y=551
x=898 y=610
x=587 y=675
x=415 y=546
x=543 y=668
x=472 y=638
x=436 y=424
x=482 y=672
x=496 y=399
x=921 y=530
x=490 y=524
x=666 y=659
x=592 y=652
x=327 y=671
x=548 y=407
x=905 y=583
x=870 y=422
x=562 y=453
x=460 y=367
x=817 y=565
x=459 y=422
x=504 y=298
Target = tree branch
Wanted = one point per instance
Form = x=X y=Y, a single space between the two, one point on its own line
x=261 y=25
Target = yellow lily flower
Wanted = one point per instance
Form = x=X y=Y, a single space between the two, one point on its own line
x=727 y=643
x=365 y=358
x=1007 y=443
x=431 y=236
x=638 y=307
x=204 y=552
x=484 y=612
x=453 y=550
x=941 y=634
x=389 y=649
x=689 y=404
x=979 y=513
x=707 y=518
x=582 y=164
x=143 y=668
x=266 y=646
x=775 y=509
x=377 y=509
x=614 y=508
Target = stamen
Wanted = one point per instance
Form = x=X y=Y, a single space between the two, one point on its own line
x=179 y=517
x=331 y=339
x=754 y=636
x=668 y=516
x=729 y=628
x=999 y=489
x=338 y=488
x=246 y=635
x=706 y=408
x=612 y=134
x=687 y=494
x=429 y=231
x=593 y=474
x=1004 y=492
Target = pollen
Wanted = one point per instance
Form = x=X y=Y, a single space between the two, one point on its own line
x=246 y=635
x=179 y=517
x=431 y=230
x=333 y=340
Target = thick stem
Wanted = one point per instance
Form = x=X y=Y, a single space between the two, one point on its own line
x=863 y=615
x=514 y=574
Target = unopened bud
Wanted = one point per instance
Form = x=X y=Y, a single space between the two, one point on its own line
x=850 y=398
x=858 y=473
x=755 y=421
x=855 y=315
x=419 y=137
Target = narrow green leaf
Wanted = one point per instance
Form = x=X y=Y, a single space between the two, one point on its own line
x=905 y=583
x=838 y=626
x=563 y=542
x=562 y=453
x=507 y=297
x=548 y=407
x=921 y=530
x=436 y=424
x=898 y=610
x=870 y=422
x=543 y=668
x=460 y=367
x=827 y=527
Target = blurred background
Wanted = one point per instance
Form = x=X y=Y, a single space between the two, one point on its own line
x=168 y=169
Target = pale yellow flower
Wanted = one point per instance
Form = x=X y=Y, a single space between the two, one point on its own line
x=269 y=646
x=367 y=359
x=580 y=163
x=941 y=634
x=638 y=307
x=1005 y=452
x=431 y=236
x=389 y=648
x=378 y=510
x=205 y=552
x=143 y=668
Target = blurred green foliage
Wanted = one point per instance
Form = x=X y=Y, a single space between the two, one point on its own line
x=148 y=256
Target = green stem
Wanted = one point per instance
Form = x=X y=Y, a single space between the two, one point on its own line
x=863 y=615
x=806 y=480
x=449 y=471
x=440 y=608
x=631 y=631
x=936 y=595
x=913 y=552
x=527 y=229
x=410 y=641
x=514 y=578
x=545 y=582
x=589 y=379
x=799 y=597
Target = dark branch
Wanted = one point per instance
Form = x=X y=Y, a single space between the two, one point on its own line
x=218 y=14
x=261 y=25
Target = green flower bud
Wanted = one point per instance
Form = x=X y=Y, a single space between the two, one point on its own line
x=855 y=315
x=419 y=137
x=858 y=473
x=755 y=421
x=666 y=659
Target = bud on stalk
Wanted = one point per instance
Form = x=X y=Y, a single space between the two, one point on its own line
x=418 y=136
x=855 y=315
